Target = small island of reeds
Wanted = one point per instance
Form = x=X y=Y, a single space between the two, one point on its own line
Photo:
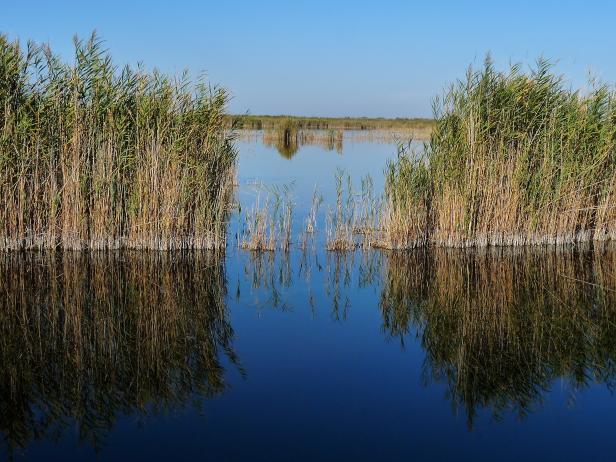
x=93 y=156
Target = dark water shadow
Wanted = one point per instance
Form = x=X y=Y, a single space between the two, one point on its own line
x=86 y=338
x=499 y=327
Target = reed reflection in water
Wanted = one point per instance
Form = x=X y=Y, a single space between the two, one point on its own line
x=289 y=140
x=85 y=338
x=497 y=326
x=500 y=326
x=88 y=338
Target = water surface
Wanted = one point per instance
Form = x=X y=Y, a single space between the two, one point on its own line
x=503 y=354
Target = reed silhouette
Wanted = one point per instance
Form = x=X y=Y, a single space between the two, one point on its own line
x=87 y=337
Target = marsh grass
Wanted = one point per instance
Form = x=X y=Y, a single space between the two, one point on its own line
x=268 y=227
x=288 y=138
x=513 y=159
x=341 y=218
x=354 y=215
x=97 y=157
x=268 y=122
x=311 y=222
x=285 y=137
x=367 y=208
x=333 y=139
x=311 y=219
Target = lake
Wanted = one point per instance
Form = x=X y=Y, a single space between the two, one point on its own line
x=489 y=354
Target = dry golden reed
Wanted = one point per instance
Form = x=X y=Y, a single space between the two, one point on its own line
x=97 y=157
x=514 y=159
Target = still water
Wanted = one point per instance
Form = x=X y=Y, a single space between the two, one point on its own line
x=503 y=354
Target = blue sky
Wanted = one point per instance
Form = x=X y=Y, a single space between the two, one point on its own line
x=382 y=58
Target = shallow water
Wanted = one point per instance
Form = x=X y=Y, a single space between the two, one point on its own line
x=494 y=354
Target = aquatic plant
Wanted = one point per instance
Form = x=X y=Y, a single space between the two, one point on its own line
x=311 y=220
x=97 y=157
x=514 y=158
x=284 y=137
x=333 y=139
x=367 y=212
x=268 y=227
x=341 y=219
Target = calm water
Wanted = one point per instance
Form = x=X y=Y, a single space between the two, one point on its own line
x=468 y=355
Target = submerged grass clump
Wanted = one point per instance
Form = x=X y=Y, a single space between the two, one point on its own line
x=97 y=157
x=513 y=159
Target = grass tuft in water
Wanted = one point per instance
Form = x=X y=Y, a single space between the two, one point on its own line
x=341 y=219
x=268 y=227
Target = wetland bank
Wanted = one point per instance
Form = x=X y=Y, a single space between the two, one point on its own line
x=177 y=280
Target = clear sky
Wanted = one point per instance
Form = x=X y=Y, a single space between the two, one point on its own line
x=331 y=58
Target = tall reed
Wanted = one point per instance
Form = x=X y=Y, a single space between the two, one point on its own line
x=514 y=158
x=97 y=157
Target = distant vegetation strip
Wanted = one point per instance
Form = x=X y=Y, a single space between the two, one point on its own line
x=97 y=157
x=264 y=122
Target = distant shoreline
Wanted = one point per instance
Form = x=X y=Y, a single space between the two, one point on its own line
x=260 y=122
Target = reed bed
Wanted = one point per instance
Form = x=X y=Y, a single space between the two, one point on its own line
x=355 y=214
x=331 y=140
x=285 y=137
x=97 y=157
x=514 y=159
x=268 y=224
x=288 y=138
x=392 y=135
